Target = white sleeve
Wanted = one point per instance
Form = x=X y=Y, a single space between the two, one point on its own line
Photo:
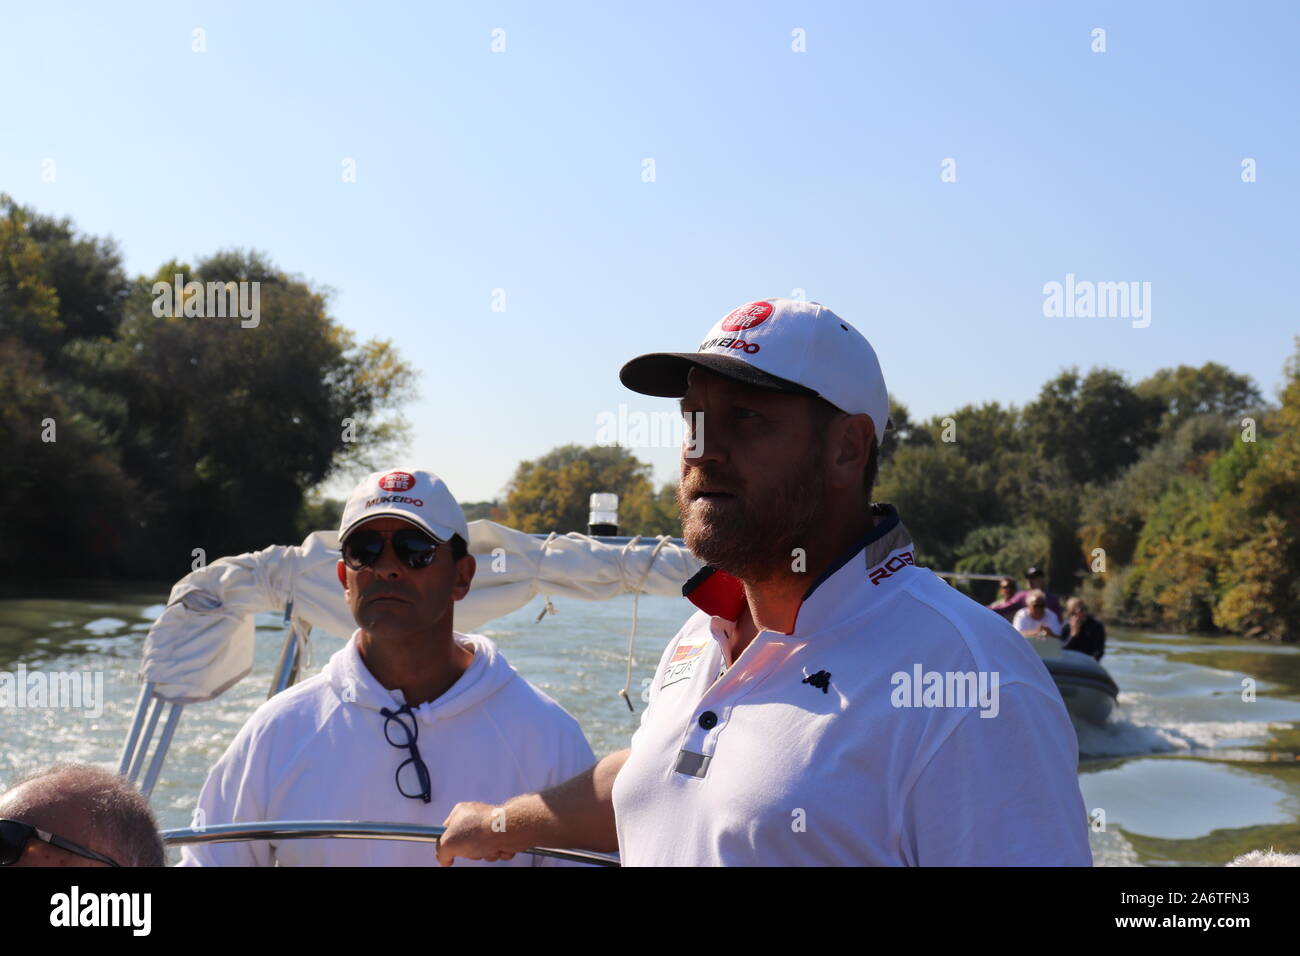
x=1001 y=791
x=1020 y=616
x=233 y=793
x=1052 y=621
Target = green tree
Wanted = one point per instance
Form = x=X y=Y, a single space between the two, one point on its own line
x=554 y=492
x=933 y=487
x=981 y=433
x=474 y=510
x=666 y=516
x=59 y=476
x=1094 y=425
x=1000 y=549
x=1257 y=524
x=1187 y=391
x=29 y=301
x=61 y=484
x=317 y=513
x=87 y=272
x=224 y=429
x=1112 y=514
x=1172 y=582
x=1040 y=495
x=903 y=431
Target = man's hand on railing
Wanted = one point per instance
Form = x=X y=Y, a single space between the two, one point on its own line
x=476 y=831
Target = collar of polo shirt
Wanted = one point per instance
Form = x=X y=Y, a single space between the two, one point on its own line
x=719 y=594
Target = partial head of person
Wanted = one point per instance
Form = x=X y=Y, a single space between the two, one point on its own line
x=1075 y=607
x=1035 y=577
x=405 y=553
x=77 y=815
x=1007 y=586
x=785 y=404
x=1036 y=601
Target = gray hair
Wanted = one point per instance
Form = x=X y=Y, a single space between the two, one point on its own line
x=119 y=814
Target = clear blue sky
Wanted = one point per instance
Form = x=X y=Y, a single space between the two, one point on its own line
x=775 y=171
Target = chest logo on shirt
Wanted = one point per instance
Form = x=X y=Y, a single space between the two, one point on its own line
x=686 y=658
x=821 y=680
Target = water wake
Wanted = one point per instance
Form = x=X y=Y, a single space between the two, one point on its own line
x=1136 y=728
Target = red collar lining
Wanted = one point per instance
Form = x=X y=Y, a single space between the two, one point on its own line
x=716 y=593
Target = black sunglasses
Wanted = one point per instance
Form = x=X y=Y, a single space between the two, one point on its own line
x=414 y=548
x=407 y=743
x=14 y=837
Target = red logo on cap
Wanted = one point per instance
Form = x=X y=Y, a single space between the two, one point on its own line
x=397 y=481
x=747 y=316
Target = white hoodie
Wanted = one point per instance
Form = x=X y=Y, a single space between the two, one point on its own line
x=317 y=751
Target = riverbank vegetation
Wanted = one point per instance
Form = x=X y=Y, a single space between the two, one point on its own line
x=138 y=441
x=1170 y=503
x=137 y=444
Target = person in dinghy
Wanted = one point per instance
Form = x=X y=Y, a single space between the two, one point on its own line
x=407 y=719
x=776 y=732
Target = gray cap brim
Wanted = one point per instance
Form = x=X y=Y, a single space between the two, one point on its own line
x=664 y=374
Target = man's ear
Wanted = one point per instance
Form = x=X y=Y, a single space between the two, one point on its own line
x=852 y=448
x=465 y=569
x=341 y=568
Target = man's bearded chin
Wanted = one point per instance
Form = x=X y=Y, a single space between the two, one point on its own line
x=754 y=540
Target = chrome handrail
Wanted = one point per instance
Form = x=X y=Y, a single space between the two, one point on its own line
x=148 y=709
x=137 y=724
x=347 y=830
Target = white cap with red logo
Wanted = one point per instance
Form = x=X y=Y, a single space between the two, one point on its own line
x=413 y=495
x=787 y=345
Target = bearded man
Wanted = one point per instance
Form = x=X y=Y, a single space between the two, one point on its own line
x=830 y=703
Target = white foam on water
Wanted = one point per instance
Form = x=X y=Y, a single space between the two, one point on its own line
x=1137 y=727
x=1110 y=848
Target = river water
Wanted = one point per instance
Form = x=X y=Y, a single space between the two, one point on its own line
x=1186 y=772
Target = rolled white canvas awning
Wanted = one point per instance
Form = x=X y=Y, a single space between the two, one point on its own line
x=203 y=641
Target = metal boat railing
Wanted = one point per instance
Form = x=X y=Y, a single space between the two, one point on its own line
x=347 y=830
x=148 y=708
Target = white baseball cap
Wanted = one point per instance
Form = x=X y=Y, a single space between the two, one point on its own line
x=413 y=495
x=787 y=345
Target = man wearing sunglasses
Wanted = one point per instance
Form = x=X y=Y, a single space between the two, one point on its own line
x=406 y=720
x=77 y=815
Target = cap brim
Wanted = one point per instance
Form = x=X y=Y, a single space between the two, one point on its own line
x=441 y=535
x=664 y=374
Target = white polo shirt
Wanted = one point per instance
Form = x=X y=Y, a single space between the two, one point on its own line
x=858 y=739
